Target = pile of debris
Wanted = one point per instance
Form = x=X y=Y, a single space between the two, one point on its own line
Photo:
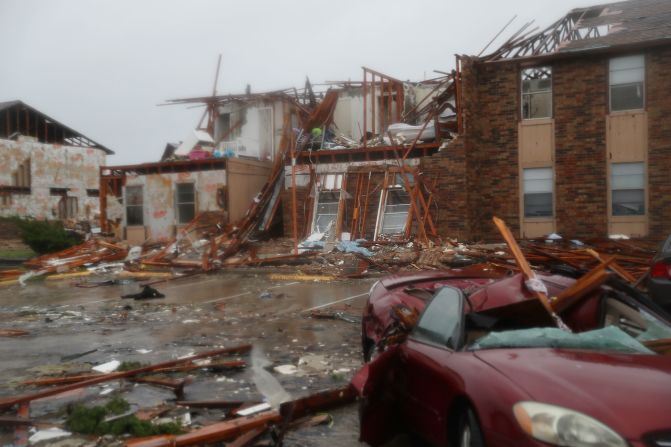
x=242 y=422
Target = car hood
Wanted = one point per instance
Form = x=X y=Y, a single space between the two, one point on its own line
x=629 y=393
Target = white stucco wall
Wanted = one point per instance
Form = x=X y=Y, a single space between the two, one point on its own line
x=254 y=138
x=51 y=166
x=159 y=211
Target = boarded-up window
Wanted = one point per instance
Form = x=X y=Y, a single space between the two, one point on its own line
x=327 y=209
x=538 y=186
x=395 y=217
x=134 y=206
x=537 y=93
x=186 y=203
x=627 y=83
x=628 y=189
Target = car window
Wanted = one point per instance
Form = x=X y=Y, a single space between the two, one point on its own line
x=667 y=245
x=441 y=321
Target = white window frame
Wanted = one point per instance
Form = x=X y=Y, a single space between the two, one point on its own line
x=384 y=211
x=178 y=214
x=141 y=205
x=545 y=191
x=613 y=70
x=539 y=92
x=642 y=187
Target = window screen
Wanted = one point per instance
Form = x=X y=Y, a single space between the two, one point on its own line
x=628 y=189
x=134 y=206
x=395 y=211
x=537 y=93
x=186 y=202
x=627 y=83
x=538 y=187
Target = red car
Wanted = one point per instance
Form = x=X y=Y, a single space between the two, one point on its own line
x=485 y=364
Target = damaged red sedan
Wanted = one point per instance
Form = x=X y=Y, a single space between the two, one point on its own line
x=472 y=358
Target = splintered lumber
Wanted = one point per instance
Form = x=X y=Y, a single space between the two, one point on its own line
x=585 y=285
x=622 y=273
x=26 y=398
x=318 y=402
x=232 y=364
x=48 y=381
x=13 y=332
x=248 y=438
x=220 y=431
x=526 y=269
x=222 y=404
x=90 y=252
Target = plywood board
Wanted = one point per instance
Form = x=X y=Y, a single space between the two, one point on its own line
x=536 y=143
x=245 y=179
x=627 y=136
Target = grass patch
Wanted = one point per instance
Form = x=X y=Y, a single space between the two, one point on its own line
x=91 y=421
x=128 y=366
x=17 y=254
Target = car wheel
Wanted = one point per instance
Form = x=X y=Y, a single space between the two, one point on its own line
x=469 y=432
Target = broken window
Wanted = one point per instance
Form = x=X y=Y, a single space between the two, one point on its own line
x=93 y=193
x=627 y=83
x=134 y=206
x=537 y=93
x=186 y=203
x=538 y=185
x=327 y=210
x=396 y=208
x=628 y=189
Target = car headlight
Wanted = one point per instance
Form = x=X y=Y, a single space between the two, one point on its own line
x=564 y=427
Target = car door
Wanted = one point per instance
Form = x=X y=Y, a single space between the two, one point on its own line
x=427 y=384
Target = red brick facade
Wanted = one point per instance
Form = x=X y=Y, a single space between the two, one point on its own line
x=659 y=141
x=478 y=172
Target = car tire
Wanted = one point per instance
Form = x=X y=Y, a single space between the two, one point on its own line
x=469 y=433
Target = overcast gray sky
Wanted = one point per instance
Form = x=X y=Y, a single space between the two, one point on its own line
x=102 y=67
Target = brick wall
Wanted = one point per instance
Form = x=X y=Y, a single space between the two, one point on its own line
x=493 y=167
x=450 y=209
x=659 y=141
x=303 y=211
x=580 y=94
x=478 y=172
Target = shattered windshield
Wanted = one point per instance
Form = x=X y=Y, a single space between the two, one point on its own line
x=609 y=338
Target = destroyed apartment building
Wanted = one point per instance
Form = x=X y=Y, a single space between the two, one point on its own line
x=219 y=168
x=565 y=129
x=224 y=164
x=49 y=171
x=559 y=130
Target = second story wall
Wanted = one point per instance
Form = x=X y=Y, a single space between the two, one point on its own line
x=586 y=153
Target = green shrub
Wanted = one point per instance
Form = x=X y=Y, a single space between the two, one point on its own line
x=45 y=236
x=91 y=421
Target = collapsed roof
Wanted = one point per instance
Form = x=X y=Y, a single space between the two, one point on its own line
x=17 y=117
x=628 y=23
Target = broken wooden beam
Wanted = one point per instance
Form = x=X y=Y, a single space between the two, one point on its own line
x=26 y=398
x=217 y=432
